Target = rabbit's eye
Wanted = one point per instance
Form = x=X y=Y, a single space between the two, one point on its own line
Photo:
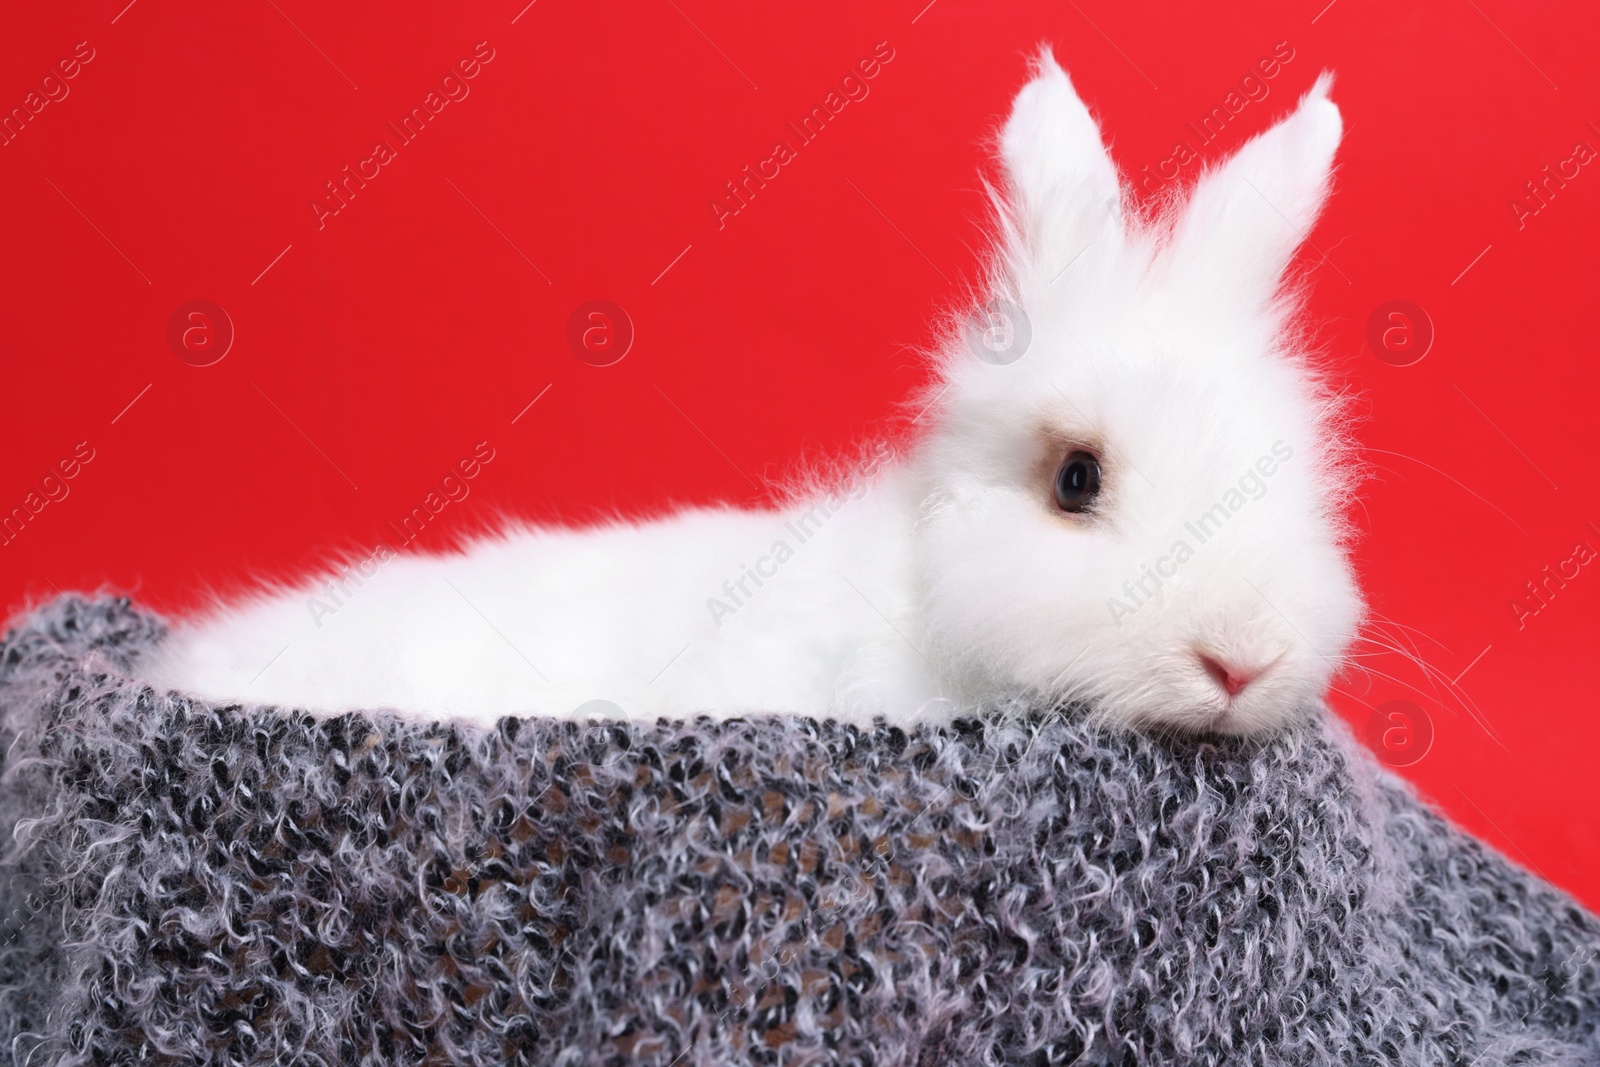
x=1077 y=482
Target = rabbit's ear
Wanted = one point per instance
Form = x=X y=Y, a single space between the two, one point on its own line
x=1246 y=217
x=1062 y=186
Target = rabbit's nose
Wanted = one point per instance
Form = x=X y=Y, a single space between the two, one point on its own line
x=1231 y=677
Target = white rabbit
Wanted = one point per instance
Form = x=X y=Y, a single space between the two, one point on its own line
x=1122 y=489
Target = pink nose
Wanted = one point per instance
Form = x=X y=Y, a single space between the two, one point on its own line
x=1232 y=679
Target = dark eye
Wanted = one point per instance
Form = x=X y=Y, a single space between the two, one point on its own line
x=1077 y=482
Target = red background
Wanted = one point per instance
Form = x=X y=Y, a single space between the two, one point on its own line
x=427 y=313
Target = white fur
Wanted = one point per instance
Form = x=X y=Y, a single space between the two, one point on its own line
x=944 y=579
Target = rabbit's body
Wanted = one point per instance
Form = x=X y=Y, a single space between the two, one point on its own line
x=807 y=609
x=1131 y=500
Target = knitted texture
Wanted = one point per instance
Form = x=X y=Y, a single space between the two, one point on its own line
x=195 y=884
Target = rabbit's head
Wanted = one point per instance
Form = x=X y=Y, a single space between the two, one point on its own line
x=1132 y=482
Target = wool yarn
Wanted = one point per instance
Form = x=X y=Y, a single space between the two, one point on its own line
x=199 y=884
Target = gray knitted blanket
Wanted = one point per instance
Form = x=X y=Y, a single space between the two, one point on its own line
x=188 y=884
